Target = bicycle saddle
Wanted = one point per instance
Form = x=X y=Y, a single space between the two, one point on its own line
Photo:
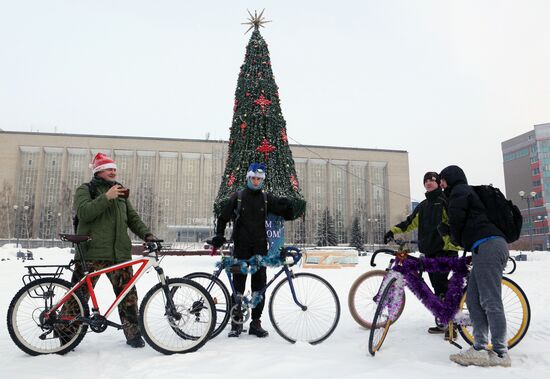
x=74 y=238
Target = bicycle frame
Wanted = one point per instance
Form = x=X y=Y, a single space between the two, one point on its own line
x=288 y=272
x=144 y=264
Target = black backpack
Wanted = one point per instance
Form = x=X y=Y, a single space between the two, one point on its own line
x=502 y=212
x=93 y=194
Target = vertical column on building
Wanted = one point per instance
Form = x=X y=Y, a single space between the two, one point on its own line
x=37 y=206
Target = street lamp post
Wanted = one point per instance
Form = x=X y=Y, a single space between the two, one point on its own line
x=371 y=222
x=528 y=198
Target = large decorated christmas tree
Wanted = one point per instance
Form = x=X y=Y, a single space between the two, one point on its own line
x=258 y=130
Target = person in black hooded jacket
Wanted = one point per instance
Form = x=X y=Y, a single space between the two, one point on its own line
x=430 y=218
x=471 y=228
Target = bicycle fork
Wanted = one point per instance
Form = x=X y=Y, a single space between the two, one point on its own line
x=290 y=274
x=170 y=307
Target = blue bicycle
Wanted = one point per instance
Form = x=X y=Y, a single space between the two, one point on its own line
x=302 y=306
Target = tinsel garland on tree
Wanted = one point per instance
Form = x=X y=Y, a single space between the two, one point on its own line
x=258 y=132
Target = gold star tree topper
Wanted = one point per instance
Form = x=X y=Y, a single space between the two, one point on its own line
x=256 y=21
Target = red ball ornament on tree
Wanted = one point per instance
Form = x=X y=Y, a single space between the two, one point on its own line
x=231 y=180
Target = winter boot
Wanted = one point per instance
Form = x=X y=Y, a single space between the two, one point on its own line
x=236 y=330
x=136 y=342
x=257 y=330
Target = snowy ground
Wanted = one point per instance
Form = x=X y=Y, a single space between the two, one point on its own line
x=407 y=352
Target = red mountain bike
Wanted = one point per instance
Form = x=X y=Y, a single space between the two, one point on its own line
x=49 y=315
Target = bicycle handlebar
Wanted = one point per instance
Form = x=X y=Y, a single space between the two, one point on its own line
x=390 y=252
x=387 y=251
x=153 y=245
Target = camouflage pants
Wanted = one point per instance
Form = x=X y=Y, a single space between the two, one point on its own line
x=127 y=309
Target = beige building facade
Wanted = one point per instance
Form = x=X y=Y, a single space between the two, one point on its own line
x=174 y=182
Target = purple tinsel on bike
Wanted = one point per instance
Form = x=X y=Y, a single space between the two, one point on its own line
x=443 y=309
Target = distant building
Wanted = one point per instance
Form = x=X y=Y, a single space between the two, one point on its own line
x=527 y=168
x=173 y=184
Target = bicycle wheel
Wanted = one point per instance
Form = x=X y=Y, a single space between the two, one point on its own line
x=516 y=309
x=510 y=266
x=361 y=297
x=313 y=324
x=184 y=329
x=220 y=295
x=35 y=335
x=381 y=320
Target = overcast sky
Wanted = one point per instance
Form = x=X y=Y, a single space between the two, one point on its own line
x=447 y=81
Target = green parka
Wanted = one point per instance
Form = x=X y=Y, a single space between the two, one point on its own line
x=107 y=222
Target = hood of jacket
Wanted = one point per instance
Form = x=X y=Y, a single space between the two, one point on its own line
x=453 y=175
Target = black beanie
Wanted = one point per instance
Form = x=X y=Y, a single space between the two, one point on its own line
x=431 y=175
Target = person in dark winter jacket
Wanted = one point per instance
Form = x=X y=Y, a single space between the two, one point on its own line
x=430 y=218
x=471 y=228
x=106 y=215
x=250 y=236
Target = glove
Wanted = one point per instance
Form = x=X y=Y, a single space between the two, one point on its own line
x=388 y=237
x=150 y=237
x=218 y=241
